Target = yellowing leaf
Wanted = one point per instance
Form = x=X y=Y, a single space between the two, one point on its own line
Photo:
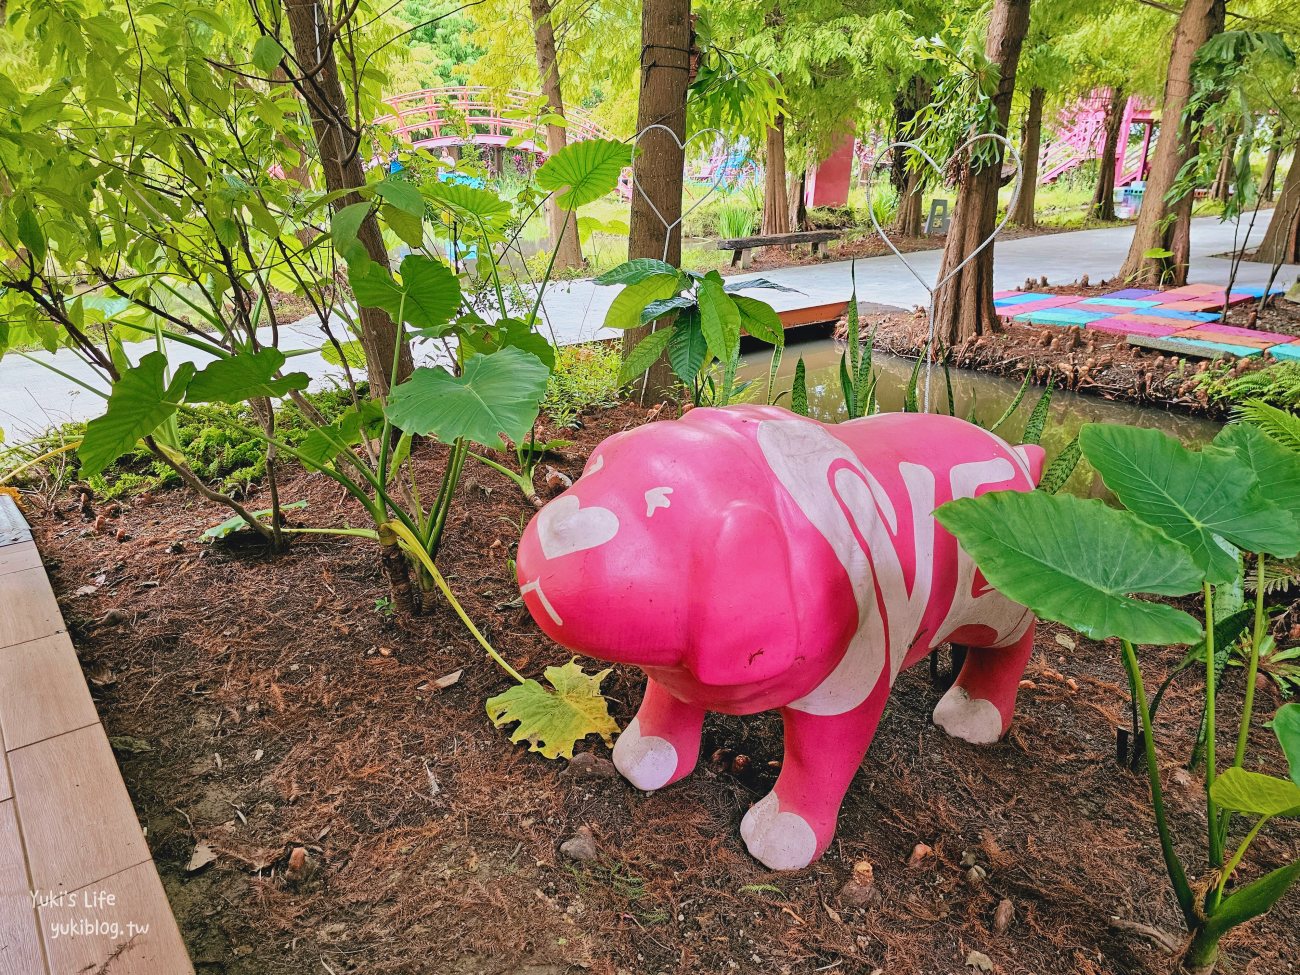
x=552 y=721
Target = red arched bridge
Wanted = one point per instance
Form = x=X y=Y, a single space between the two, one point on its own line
x=439 y=117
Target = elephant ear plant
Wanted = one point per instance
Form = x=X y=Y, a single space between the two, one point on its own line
x=486 y=390
x=1190 y=519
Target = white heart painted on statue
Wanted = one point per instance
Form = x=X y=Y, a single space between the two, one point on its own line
x=717 y=181
x=565 y=527
x=939 y=171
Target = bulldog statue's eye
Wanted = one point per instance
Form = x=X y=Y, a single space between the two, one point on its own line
x=596 y=466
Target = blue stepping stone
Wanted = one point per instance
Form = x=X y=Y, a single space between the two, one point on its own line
x=1289 y=352
x=1021 y=299
x=1187 y=316
x=1122 y=302
x=1060 y=316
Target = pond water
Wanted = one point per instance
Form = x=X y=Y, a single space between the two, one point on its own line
x=977 y=394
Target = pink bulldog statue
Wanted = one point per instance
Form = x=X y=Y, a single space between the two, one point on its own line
x=747 y=558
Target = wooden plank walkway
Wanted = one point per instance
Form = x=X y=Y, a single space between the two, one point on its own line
x=79 y=891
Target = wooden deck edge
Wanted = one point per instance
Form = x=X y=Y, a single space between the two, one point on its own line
x=79 y=890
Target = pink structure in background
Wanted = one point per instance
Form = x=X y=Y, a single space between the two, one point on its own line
x=827 y=183
x=435 y=117
x=749 y=559
x=1081 y=135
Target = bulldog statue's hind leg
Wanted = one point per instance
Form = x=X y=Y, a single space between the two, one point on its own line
x=980 y=704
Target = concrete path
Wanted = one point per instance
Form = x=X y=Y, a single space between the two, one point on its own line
x=32 y=398
x=78 y=888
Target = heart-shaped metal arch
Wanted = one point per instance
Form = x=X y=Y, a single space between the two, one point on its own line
x=939 y=171
x=718 y=180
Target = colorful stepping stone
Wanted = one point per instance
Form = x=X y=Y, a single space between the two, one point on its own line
x=1206 y=334
x=1187 y=316
x=998 y=295
x=1289 y=352
x=1120 y=325
x=1257 y=290
x=1131 y=294
x=1121 y=302
x=1106 y=308
x=1274 y=338
x=1021 y=298
x=1059 y=316
x=1020 y=308
x=1193 y=347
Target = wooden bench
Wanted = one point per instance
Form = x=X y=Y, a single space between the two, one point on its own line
x=742 y=248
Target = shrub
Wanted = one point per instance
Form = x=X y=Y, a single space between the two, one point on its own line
x=585 y=377
x=1277 y=385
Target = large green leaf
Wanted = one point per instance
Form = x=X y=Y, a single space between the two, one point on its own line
x=1252 y=900
x=1286 y=725
x=140 y=402
x=345 y=224
x=1276 y=468
x=637 y=269
x=643 y=356
x=498 y=393
x=552 y=722
x=398 y=191
x=1076 y=562
x=244 y=377
x=760 y=320
x=584 y=171
x=468 y=205
x=1196 y=497
x=625 y=310
x=1256 y=794
x=687 y=349
x=430 y=290
x=719 y=317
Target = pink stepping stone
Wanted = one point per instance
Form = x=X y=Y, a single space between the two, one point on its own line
x=1056 y=301
x=1122 y=325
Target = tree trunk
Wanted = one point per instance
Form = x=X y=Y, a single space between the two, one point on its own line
x=776 y=203
x=963 y=307
x=562 y=223
x=1281 y=243
x=1268 y=181
x=1103 y=197
x=798 y=195
x=660 y=163
x=1030 y=139
x=907 y=220
x=340 y=155
x=910 y=186
x=1223 y=175
x=1198 y=21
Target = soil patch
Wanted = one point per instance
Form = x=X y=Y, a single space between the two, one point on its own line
x=281 y=709
x=1085 y=360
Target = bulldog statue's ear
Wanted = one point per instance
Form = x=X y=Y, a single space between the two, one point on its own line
x=742 y=625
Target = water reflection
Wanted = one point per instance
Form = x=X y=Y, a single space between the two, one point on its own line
x=977 y=395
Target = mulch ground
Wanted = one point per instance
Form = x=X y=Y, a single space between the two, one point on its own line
x=265 y=705
x=1087 y=361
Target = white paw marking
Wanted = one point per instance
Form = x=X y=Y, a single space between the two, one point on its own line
x=536 y=586
x=564 y=527
x=647 y=761
x=970 y=719
x=595 y=466
x=778 y=840
x=656 y=498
